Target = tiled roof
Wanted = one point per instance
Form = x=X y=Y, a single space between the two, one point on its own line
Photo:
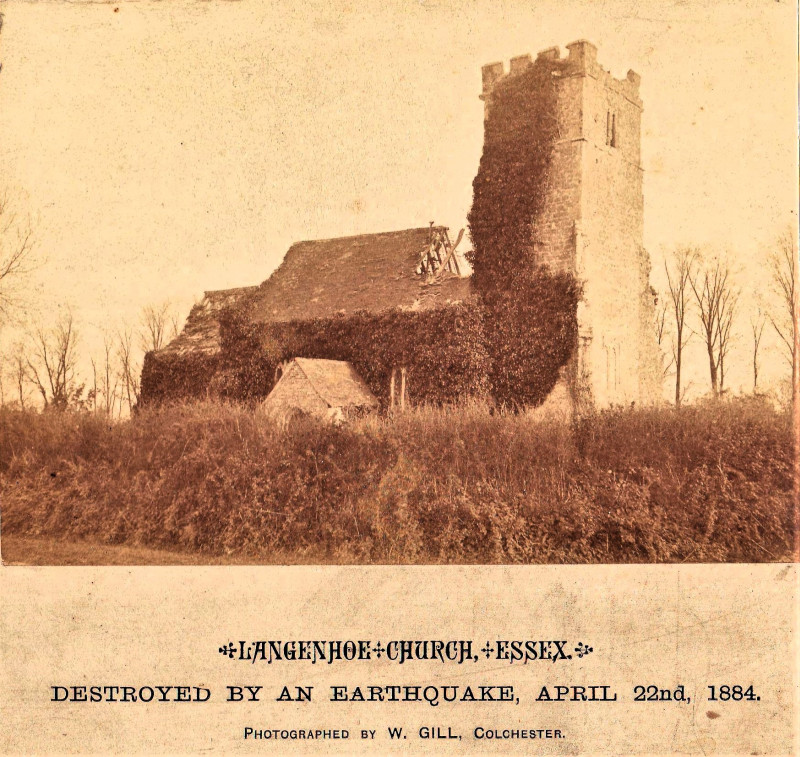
x=326 y=277
x=371 y=272
x=337 y=382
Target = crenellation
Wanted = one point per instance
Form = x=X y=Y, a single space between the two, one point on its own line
x=551 y=53
x=491 y=74
x=582 y=56
x=520 y=63
x=581 y=60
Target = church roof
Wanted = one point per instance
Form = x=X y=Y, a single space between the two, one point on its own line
x=201 y=331
x=326 y=277
x=373 y=272
x=336 y=382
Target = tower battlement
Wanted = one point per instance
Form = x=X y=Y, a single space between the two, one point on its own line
x=581 y=60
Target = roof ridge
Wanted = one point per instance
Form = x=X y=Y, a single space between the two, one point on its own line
x=368 y=235
x=207 y=292
x=321 y=360
x=310 y=381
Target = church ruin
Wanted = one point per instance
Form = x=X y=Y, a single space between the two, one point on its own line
x=590 y=225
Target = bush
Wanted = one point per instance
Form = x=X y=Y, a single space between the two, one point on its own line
x=437 y=485
x=443 y=351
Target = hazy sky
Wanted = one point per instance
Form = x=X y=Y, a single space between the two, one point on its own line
x=166 y=148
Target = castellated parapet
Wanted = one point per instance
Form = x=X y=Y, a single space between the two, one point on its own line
x=580 y=61
x=592 y=220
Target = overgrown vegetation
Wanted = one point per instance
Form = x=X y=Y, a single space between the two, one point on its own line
x=532 y=331
x=510 y=187
x=530 y=312
x=706 y=483
x=181 y=376
x=511 y=343
x=443 y=351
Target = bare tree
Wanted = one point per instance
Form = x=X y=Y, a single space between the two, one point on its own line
x=757 y=323
x=109 y=381
x=717 y=300
x=16 y=256
x=783 y=268
x=92 y=398
x=679 y=277
x=175 y=325
x=51 y=366
x=661 y=336
x=725 y=336
x=19 y=373
x=156 y=327
x=786 y=285
x=128 y=368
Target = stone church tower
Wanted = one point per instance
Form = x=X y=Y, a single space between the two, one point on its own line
x=592 y=225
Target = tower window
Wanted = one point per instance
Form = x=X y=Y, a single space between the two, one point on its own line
x=611 y=129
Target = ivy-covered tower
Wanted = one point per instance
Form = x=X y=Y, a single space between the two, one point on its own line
x=590 y=219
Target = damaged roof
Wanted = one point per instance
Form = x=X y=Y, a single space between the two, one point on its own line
x=372 y=272
x=327 y=277
x=201 y=331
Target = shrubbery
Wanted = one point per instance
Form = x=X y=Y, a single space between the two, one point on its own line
x=708 y=483
x=443 y=351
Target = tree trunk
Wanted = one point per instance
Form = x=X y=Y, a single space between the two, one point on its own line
x=712 y=367
x=796 y=415
x=755 y=370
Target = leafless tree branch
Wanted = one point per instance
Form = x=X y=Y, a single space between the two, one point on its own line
x=717 y=301
x=51 y=364
x=17 y=257
x=680 y=272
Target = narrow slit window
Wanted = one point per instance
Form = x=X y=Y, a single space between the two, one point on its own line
x=613 y=129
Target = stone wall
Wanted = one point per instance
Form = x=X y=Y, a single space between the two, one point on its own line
x=592 y=222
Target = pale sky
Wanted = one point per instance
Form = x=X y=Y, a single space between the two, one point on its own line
x=166 y=148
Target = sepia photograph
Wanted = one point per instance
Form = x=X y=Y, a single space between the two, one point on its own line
x=414 y=377
x=409 y=283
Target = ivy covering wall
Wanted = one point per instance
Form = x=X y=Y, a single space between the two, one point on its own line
x=530 y=312
x=510 y=188
x=175 y=376
x=511 y=342
x=443 y=351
